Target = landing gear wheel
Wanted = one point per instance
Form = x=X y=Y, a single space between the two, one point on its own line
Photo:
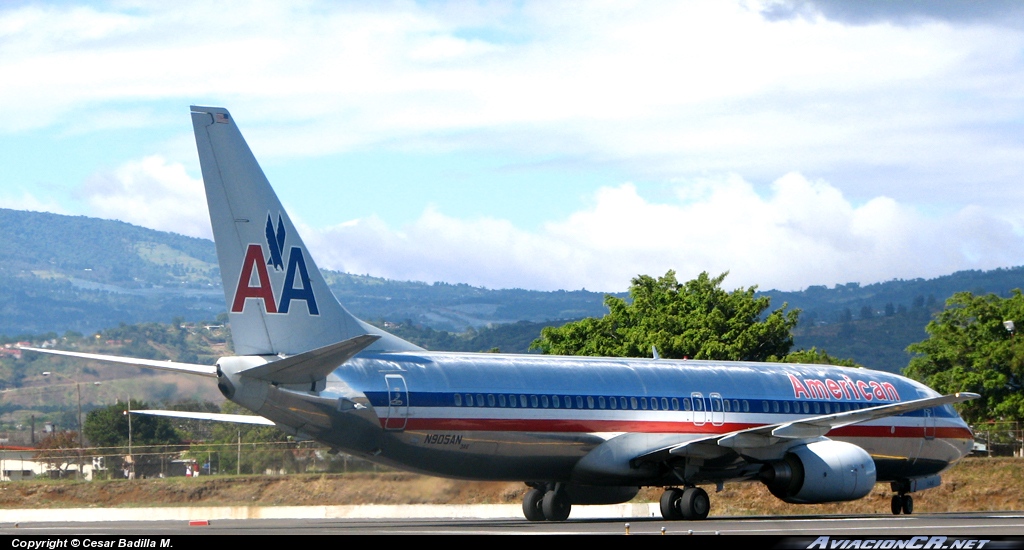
x=670 y=504
x=908 y=504
x=532 y=505
x=896 y=505
x=695 y=504
x=556 y=506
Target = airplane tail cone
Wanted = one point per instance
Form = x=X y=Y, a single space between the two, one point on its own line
x=278 y=302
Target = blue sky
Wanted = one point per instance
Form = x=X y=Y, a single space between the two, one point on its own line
x=545 y=144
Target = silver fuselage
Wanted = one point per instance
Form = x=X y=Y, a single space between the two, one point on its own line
x=533 y=417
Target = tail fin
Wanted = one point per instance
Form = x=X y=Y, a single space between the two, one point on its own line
x=278 y=302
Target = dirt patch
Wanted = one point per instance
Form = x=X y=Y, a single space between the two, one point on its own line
x=976 y=484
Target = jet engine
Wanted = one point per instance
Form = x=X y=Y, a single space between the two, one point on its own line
x=823 y=471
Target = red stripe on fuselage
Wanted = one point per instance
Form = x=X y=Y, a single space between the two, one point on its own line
x=637 y=426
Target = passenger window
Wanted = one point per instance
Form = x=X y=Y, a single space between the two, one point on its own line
x=579 y=401
x=501 y=400
x=555 y=402
x=622 y=403
x=643 y=403
x=764 y=406
x=614 y=403
x=664 y=403
x=675 y=403
x=817 y=408
x=458 y=400
x=512 y=401
x=726 y=405
x=590 y=401
x=654 y=403
x=632 y=402
x=686 y=404
x=775 y=406
x=600 y=402
x=785 y=406
x=490 y=400
x=469 y=400
x=533 y=401
x=479 y=400
x=522 y=401
x=746 y=406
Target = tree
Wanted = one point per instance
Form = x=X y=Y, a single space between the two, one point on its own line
x=107 y=428
x=969 y=349
x=59 y=451
x=262 y=447
x=696 y=319
x=814 y=356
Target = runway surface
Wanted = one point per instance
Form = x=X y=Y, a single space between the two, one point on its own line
x=953 y=524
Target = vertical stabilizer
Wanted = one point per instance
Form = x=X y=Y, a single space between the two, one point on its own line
x=278 y=302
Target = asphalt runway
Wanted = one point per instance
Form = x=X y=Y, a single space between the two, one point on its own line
x=980 y=525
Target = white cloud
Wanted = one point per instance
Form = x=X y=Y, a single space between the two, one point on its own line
x=802 y=233
x=28 y=201
x=914 y=126
x=152 y=193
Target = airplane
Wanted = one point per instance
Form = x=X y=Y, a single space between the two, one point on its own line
x=576 y=430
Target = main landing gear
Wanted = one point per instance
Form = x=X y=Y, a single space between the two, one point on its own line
x=902 y=503
x=547 y=502
x=691 y=503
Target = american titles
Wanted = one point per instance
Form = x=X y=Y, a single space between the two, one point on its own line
x=843 y=388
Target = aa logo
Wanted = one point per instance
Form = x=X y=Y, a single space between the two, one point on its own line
x=255 y=264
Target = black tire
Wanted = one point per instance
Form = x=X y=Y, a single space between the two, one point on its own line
x=670 y=504
x=532 y=505
x=896 y=505
x=556 y=506
x=908 y=504
x=695 y=504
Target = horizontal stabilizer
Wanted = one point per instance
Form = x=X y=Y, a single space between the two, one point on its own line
x=187 y=368
x=217 y=417
x=310 y=366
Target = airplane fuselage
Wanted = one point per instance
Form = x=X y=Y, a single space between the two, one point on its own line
x=534 y=417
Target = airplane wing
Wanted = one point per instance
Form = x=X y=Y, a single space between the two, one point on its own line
x=803 y=429
x=217 y=417
x=187 y=368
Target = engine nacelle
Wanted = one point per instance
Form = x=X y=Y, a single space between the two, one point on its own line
x=823 y=471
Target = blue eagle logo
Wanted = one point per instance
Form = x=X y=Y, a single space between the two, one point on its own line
x=275 y=242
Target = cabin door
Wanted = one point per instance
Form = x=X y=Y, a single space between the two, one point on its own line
x=929 y=424
x=398 y=402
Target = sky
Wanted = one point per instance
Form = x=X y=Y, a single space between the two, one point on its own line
x=545 y=144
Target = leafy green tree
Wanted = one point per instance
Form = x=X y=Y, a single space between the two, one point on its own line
x=696 y=319
x=814 y=356
x=969 y=349
x=151 y=436
x=262 y=448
